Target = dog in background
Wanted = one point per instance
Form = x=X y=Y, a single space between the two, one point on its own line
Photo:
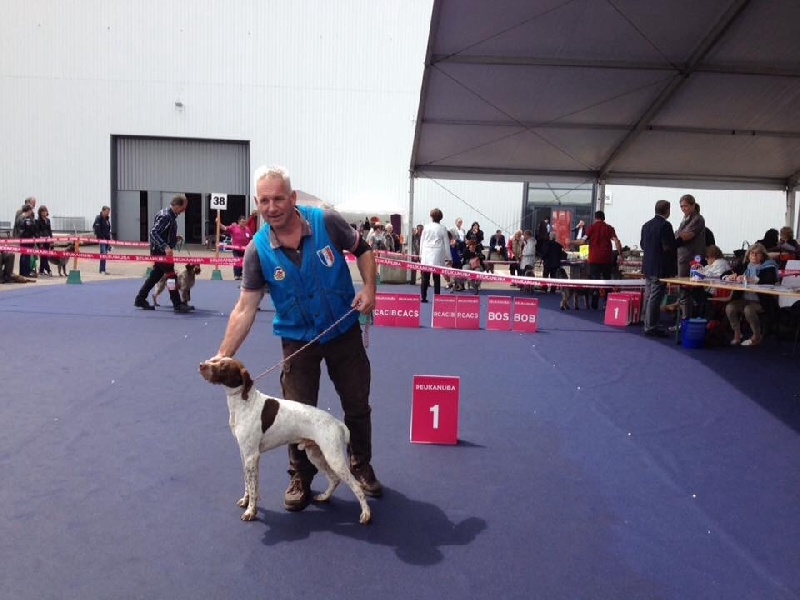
x=572 y=295
x=62 y=261
x=185 y=282
x=260 y=423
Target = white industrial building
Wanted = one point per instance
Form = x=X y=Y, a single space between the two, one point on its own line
x=127 y=103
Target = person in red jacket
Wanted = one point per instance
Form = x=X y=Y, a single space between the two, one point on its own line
x=600 y=236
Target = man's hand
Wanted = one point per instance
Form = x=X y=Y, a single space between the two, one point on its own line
x=364 y=302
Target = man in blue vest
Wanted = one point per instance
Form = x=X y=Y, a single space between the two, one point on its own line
x=298 y=256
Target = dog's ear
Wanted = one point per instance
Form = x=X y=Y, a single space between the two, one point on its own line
x=247 y=382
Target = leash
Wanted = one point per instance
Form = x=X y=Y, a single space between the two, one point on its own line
x=315 y=340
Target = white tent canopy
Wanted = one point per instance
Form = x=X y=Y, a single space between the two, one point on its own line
x=663 y=92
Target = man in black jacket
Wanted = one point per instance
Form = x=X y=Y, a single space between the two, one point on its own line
x=102 y=231
x=163 y=239
x=660 y=260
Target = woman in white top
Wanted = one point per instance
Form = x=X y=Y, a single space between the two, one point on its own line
x=434 y=250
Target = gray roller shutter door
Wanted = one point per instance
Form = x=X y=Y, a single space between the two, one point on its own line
x=192 y=166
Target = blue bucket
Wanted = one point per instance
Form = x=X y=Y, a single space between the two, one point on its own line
x=693 y=332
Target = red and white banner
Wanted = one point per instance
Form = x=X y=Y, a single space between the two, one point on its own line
x=397 y=310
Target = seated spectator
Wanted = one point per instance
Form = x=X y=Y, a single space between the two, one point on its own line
x=6 y=267
x=716 y=263
x=770 y=241
x=497 y=246
x=760 y=270
x=472 y=259
x=475 y=233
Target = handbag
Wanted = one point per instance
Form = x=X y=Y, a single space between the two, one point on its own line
x=474 y=263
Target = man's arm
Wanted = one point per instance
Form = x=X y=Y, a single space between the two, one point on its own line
x=240 y=322
x=364 y=301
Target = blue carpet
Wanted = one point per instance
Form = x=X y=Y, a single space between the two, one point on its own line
x=593 y=463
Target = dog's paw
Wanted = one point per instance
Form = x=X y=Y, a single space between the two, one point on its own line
x=243 y=502
x=366 y=517
x=249 y=515
x=323 y=497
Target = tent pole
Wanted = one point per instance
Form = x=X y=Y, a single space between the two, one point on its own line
x=410 y=227
x=790 y=206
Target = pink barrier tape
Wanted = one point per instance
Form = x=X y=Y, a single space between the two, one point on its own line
x=146 y=258
x=510 y=279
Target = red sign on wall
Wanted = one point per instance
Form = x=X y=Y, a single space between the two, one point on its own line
x=397 y=310
x=499 y=315
x=434 y=409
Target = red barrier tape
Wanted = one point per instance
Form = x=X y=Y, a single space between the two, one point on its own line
x=146 y=258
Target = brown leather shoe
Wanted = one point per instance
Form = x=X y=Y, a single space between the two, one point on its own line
x=298 y=495
x=365 y=475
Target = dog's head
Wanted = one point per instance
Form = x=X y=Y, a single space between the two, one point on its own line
x=229 y=372
x=194 y=269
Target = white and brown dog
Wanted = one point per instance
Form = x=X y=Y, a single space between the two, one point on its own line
x=260 y=423
x=185 y=282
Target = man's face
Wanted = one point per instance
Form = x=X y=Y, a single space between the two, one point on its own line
x=106 y=213
x=458 y=223
x=179 y=210
x=275 y=201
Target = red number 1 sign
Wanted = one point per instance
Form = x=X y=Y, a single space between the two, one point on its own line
x=434 y=410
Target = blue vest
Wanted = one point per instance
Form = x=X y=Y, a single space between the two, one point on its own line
x=311 y=298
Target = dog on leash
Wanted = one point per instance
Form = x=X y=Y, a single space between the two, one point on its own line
x=185 y=282
x=62 y=261
x=260 y=423
x=572 y=295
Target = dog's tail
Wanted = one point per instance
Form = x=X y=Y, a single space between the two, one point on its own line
x=345 y=432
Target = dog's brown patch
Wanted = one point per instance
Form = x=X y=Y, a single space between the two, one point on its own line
x=229 y=372
x=268 y=413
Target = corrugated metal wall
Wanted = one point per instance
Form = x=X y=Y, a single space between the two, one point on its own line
x=328 y=89
x=187 y=165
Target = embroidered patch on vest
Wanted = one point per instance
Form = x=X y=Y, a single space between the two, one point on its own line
x=279 y=274
x=326 y=256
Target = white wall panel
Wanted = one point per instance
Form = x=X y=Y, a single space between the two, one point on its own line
x=328 y=89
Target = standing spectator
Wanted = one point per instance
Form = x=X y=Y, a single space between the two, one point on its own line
x=542 y=235
x=552 y=255
x=660 y=261
x=392 y=239
x=29 y=201
x=26 y=227
x=600 y=236
x=459 y=235
x=102 y=231
x=515 y=246
x=415 y=239
x=376 y=238
x=240 y=236
x=299 y=256
x=252 y=224
x=44 y=230
x=163 y=239
x=579 y=232
x=497 y=245
x=528 y=259
x=434 y=251
x=692 y=235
